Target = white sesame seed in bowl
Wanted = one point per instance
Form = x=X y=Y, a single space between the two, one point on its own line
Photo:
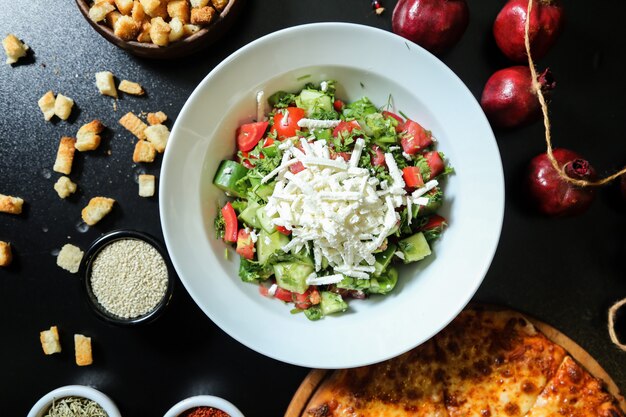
x=127 y=277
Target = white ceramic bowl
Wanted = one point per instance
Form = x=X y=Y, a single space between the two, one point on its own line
x=203 y=400
x=42 y=406
x=364 y=61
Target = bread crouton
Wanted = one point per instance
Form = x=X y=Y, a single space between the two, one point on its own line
x=126 y=28
x=98 y=12
x=202 y=15
x=134 y=125
x=155 y=8
x=6 y=255
x=88 y=138
x=65 y=155
x=176 y=30
x=160 y=31
x=11 y=205
x=146 y=185
x=130 y=87
x=82 y=348
x=179 y=9
x=219 y=4
x=63 y=106
x=144 y=152
x=138 y=14
x=112 y=18
x=97 y=208
x=46 y=104
x=156 y=118
x=49 y=340
x=125 y=7
x=69 y=258
x=199 y=3
x=190 y=29
x=158 y=136
x=64 y=187
x=105 y=83
x=144 y=35
x=14 y=48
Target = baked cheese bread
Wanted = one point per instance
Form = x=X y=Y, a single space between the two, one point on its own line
x=486 y=363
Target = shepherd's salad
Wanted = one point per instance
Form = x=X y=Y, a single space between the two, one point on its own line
x=328 y=197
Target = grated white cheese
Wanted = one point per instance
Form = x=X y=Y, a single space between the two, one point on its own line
x=313 y=279
x=260 y=106
x=318 y=124
x=334 y=208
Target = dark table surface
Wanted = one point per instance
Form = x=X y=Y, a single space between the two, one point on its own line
x=566 y=272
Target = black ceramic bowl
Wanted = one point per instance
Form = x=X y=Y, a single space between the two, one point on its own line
x=86 y=269
x=194 y=43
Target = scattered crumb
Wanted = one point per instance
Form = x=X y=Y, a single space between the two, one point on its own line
x=88 y=138
x=158 y=136
x=97 y=208
x=46 y=104
x=11 y=205
x=14 y=48
x=69 y=258
x=130 y=87
x=146 y=185
x=6 y=256
x=105 y=83
x=157 y=118
x=144 y=152
x=134 y=125
x=49 y=340
x=65 y=155
x=64 y=187
x=82 y=348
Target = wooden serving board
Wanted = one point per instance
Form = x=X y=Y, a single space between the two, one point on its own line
x=314 y=379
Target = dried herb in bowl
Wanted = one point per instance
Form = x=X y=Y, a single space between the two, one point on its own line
x=75 y=407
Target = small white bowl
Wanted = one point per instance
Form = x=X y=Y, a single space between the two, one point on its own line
x=42 y=406
x=203 y=401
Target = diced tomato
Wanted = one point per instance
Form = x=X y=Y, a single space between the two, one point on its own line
x=286 y=122
x=263 y=290
x=245 y=245
x=297 y=167
x=435 y=221
x=338 y=105
x=250 y=134
x=400 y=125
x=268 y=142
x=378 y=157
x=283 y=230
x=230 y=218
x=284 y=295
x=306 y=300
x=414 y=137
x=344 y=128
x=246 y=159
x=344 y=155
x=413 y=177
x=435 y=163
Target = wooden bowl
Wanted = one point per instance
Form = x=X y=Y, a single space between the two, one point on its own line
x=192 y=44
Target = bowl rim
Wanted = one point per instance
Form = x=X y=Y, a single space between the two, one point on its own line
x=84 y=391
x=170 y=211
x=85 y=270
x=204 y=401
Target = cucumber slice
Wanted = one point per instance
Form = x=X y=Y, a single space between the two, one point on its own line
x=265 y=190
x=268 y=243
x=384 y=283
x=332 y=303
x=264 y=220
x=383 y=259
x=248 y=215
x=414 y=248
x=292 y=276
x=228 y=174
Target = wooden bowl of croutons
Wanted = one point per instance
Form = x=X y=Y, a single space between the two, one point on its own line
x=160 y=29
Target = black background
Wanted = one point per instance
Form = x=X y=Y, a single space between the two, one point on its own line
x=566 y=272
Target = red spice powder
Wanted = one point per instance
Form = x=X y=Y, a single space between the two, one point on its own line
x=204 y=412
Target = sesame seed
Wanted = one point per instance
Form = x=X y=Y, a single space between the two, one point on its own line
x=129 y=278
